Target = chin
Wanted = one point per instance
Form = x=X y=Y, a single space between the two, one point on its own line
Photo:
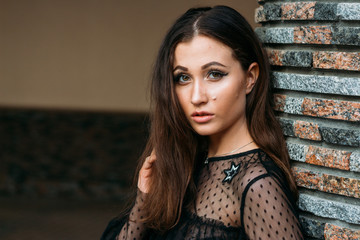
x=204 y=131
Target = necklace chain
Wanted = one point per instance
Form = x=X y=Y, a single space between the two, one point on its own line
x=236 y=149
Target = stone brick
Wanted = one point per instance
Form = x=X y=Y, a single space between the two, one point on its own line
x=287 y=127
x=298 y=11
x=287 y=104
x=261 y=33
x=268 y=12
x=327 y=35
x=340 y=136
x=348 y=11
x=330 y=208
x=328 y=157
x=334 y=135
x=315 y=83
x=355 y=162
x=345 y=186
x=325 y=11
x=272 y=11
x=307 y=130
x=310 y=35
x=334 y=232
x=260 y=15
x=293 y=105
x=276 y=57
x=290 y=58
x=313 y=228
x=280 y=35
x=276 y=35
x=337 y=60
x=308 y=11
x=324 y=108
x=279 y=102
x=307 y=179
x=340 y=185
x=346 y=36
x=313 y=34
x=333 y=109
x=297 y=151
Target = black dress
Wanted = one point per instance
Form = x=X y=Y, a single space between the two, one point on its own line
x=240 y=196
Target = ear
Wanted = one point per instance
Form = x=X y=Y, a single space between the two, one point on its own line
x=252 y=76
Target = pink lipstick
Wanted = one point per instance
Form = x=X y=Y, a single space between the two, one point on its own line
x=202 y=117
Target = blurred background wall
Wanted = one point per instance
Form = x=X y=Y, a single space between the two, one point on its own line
x=73 y=108
x=85 y=54
x=73 y=91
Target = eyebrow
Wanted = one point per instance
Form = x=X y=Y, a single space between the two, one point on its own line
x=181 y=68
x=211 y=64
x=203 y=67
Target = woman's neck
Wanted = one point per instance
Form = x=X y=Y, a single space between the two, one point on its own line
x=231 y=141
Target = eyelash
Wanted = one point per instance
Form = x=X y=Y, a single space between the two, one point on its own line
x=211 y=71
x=216 y=71
x=178 y=76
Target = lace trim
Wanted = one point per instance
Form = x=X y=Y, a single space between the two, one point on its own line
x=236 y=155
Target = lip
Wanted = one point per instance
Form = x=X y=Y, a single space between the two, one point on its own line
x=202 y=116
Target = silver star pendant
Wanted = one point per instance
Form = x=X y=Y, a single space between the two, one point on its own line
x=231 y=172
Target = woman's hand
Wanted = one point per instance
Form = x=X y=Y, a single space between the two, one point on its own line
x=145 y=173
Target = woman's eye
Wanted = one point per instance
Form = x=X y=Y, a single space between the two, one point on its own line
x=182 y=78
x=215 y=75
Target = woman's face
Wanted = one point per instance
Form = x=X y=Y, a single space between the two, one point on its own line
x=211 y=85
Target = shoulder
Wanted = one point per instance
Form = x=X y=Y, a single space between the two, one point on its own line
x=263 y=176
x=260 y=165
x=264 y=180
x=263 y=186
x=255 y=167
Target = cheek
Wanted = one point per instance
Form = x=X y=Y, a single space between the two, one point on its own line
x=181 y=95
x=227 y=93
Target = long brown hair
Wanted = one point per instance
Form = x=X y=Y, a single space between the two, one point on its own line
x=176 y=144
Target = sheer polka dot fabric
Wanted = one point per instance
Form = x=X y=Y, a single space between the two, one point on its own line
x=134 y=228
x=266 y=212
x=241 y=196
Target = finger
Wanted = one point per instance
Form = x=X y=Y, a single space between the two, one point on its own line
x=151 y=159
x=153 y=153
x=148 y=162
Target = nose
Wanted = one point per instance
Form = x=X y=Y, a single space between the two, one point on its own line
x=199 y=93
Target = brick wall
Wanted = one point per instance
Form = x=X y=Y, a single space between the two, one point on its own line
x=314 y=50
x=69 y=154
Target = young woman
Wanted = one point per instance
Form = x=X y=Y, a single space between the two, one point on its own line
x=216 y=164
